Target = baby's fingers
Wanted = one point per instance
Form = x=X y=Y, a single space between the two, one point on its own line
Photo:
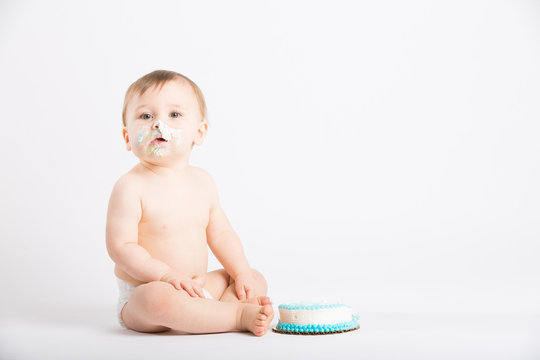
x=176 y=283
x=240 y=292
x=249 y=293
x=189 y=289
x=199 y=291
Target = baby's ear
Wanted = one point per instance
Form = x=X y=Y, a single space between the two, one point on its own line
x=201 y=133
x=126 y=139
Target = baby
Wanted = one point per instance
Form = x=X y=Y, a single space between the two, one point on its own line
x=164 y=213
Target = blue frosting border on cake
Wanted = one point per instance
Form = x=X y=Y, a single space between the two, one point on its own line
x=305 y=306
x=318 y=328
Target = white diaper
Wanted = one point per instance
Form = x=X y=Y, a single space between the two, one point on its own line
x=125 y=289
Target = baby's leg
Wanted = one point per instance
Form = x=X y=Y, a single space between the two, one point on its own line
x=222 y=287
x=217 y=282
x=158 y=306
x=259 y=293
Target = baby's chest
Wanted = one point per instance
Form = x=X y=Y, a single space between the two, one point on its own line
x=173 y=211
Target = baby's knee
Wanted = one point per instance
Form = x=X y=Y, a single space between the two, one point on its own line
x=260 y=279
x=156 y=298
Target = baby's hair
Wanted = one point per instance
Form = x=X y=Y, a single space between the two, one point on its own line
x=158 y=78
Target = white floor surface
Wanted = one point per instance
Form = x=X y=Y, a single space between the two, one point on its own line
x=77 y=332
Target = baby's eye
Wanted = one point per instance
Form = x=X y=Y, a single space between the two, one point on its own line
x=146 y=116
x=175 y=114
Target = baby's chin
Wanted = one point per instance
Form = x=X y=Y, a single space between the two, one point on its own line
x=160 y=156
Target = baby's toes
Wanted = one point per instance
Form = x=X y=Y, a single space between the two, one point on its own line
x=264 y=300
x=265 y=316
x=268 y=310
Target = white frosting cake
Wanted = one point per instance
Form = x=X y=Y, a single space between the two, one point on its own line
x=315 y=318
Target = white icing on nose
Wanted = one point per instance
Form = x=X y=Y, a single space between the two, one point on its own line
x=166 y=131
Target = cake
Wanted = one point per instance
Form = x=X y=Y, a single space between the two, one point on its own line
x=315 y=318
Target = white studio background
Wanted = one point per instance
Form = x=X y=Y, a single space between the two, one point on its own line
x=381 y=153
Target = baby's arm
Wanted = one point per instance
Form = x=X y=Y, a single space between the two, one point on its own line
x=226 y=246
x=123 y=219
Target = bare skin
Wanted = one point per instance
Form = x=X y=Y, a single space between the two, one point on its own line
x=164 y=214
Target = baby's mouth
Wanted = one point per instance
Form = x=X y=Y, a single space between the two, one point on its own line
x=159 y=140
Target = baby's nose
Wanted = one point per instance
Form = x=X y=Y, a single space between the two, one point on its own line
x=157 y=124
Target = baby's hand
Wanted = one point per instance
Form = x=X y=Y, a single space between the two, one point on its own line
x=245 y=286
x=193 y=288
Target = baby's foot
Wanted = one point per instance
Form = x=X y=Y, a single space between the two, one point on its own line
x=259 y=300
x=257 y=318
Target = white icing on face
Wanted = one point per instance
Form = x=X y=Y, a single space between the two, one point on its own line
x=167 y=132
x=146 y=139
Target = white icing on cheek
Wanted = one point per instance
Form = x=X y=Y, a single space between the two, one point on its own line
x=141 y=134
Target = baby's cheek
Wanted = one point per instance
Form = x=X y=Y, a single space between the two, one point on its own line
x=142 y=134
x=176 y=137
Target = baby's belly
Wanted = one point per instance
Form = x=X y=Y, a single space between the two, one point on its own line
x=185 y=252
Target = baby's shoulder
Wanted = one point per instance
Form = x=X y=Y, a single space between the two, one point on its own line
x=203 y=177
x=201 y=174
x=129 y=183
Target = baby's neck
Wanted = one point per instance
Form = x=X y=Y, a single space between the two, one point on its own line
x=166 y=169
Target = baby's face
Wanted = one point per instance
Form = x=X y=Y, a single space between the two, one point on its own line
x=162 y=125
